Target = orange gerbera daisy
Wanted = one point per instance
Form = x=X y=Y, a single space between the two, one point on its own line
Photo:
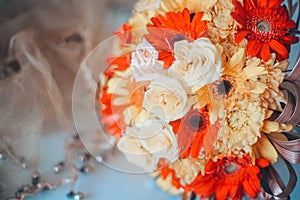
x=119 y=63
x=112 y=119
x=191 y=131
x=175 y=26
x=124 y=34
x=230 y=177
x=265 y=24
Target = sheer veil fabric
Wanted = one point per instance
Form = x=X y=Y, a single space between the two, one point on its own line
x=42 y=45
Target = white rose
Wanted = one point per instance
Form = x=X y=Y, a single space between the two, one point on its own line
x=143 y=5
x=166 y=99
x=144 y=146
x=197 y=63
x=144 y=63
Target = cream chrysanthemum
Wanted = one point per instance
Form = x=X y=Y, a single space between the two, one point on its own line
x=272 y=96
x=188 y=169
x=222 y=25
x=241 y=126
x=166 y=185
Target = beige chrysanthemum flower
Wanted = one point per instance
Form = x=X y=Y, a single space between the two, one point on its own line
x=188 y=169
x=222 y=25
x=241 y=126
x=166 y=185
x=272 y=97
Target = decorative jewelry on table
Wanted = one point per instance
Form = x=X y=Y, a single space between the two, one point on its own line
x=200 y=91
x=78 y=160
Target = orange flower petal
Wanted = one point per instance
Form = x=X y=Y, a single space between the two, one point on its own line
x=290 y=39
x=262 y=163
x=279 y=48
x=265 y=52
x=250 y=189
x=210 y=138
x=222 y=193
x=238 y=18
x=262 y=3
x=274 y=3
x=241 y=35
x=196 y=145
x=238 y=8
x=253 y=47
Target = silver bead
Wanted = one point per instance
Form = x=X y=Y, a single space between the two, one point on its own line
x=75 y=196
x=84 y=157
x=58 y=167
x=23 y=163
x=2 y=154
x=35 y=179
x=99 y=159
x=71 y=194
x=78 y=196
x=86 y=169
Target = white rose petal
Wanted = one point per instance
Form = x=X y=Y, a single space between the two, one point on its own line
x=143 y=5
x=145 y=146
x=144 y=63
x=166 y=99
x=134 y=153
x=197 y=63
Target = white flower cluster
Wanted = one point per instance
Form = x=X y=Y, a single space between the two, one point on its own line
x=166 y=98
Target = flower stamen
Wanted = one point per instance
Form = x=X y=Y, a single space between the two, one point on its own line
x=231 y=168
x=223 y=88
x=264 y=26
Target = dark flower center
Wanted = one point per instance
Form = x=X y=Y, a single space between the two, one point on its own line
x=192 y=15
x=230 y=168
x=223 y=88
x=263 y=26
x=196 y=122
x=178 y=37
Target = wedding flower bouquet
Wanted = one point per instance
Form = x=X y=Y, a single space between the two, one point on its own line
x=202 y=94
